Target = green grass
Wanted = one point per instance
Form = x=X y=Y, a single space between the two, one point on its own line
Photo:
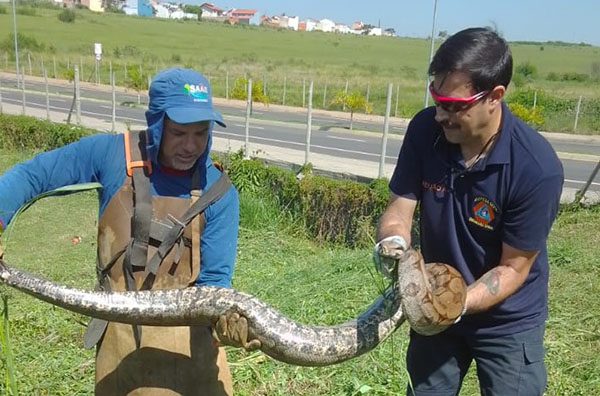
x=272 y=55
x=312 y=283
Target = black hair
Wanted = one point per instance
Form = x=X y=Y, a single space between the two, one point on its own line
x=480 y=53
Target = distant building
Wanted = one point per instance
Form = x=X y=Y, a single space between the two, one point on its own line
x=243 y=16
x=144 y=8
x=302 y=26
x=210 y=10
x=311 y=24
x=161 y=11
x=325 y=25
x=375 y=32
x=358 y=25
x=289 y=22
x=341 y=28
x=92 y=5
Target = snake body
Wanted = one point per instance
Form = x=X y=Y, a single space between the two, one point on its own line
x=281 y=337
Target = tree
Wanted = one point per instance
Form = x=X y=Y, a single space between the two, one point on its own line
x=443 y=34
x=367 y=28
x=390 y=31
x=353 y=101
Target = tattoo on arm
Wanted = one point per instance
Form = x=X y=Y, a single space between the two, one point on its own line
x=491 y=280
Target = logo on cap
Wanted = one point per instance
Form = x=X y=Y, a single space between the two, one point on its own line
x=198 y=91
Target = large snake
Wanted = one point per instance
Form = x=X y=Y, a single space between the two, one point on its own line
x=432 y=287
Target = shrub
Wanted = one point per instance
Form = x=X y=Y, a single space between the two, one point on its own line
x=25 y=43
x=29 y=133
x=2 y=9
x=67 y=16
x=527 y=70
x=339 y=211
x=532 y=116
x=241 y=85
x=28 y=11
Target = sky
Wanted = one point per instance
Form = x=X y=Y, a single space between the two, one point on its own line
x=518 y=20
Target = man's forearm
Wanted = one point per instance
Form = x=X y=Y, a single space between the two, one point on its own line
x=493 y=287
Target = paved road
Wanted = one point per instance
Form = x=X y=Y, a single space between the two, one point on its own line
x=579 y=157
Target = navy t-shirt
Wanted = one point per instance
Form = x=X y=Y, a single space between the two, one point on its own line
x=511 y=195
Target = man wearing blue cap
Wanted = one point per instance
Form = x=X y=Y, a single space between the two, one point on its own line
x=168 y=219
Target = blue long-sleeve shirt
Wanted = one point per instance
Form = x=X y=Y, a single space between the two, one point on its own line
x=101 y=158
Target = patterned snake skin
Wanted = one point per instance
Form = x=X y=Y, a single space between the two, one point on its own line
x=281 y=337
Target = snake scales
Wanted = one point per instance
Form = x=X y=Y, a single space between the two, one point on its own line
x=432 y=302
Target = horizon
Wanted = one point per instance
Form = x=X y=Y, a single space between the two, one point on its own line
x=540 y=21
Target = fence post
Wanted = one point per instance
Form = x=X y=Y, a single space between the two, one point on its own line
x=534 y=99
x=23 y=89
x=386 y=127
x=397 y=96
x=325 y=96
x=47 y=95
x=77 y=97
x=345 y=92
x=309 y=123
x=577 y=114
x=227 y=84
x=114 y=102
x=54 y=65
x=304 y=92
x=97 y=74
x=248 y=108
x=284 y=88
x=581 y=194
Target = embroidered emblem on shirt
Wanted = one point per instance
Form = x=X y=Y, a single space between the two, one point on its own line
x=484 y=212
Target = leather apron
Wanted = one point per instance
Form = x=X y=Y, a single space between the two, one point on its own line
x=154 y=360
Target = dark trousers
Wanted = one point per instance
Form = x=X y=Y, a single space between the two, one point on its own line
x=509 y=365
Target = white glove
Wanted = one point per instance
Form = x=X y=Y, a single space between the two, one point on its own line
x=387 y=252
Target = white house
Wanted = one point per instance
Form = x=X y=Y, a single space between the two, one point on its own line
x=311 y=24
x=177 y=14
x=325 y=25
x=375 y=32
x=342 y=28
x=211 y=11
x=289 y=22
x=161 y=11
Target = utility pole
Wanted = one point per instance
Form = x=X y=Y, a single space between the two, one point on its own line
x=430 y=53
x=14 y=10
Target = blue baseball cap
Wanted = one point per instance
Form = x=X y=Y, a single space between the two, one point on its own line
x=184 y=95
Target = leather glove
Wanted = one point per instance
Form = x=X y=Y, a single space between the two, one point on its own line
x=386 y=254
x=232 y=329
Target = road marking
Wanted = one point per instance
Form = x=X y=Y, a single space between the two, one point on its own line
x=580 y=182
x=303 y=145
x=251 y=126
x=349 y=139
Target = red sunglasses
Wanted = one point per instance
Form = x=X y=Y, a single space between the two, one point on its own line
x=454 y=104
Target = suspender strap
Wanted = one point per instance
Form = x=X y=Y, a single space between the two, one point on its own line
x=139 y=168
x=216 y=191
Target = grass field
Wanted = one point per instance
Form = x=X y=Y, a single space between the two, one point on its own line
x=312 y=283
x=223 y=52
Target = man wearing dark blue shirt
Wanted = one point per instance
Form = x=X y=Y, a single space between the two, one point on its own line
x=488 y=187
